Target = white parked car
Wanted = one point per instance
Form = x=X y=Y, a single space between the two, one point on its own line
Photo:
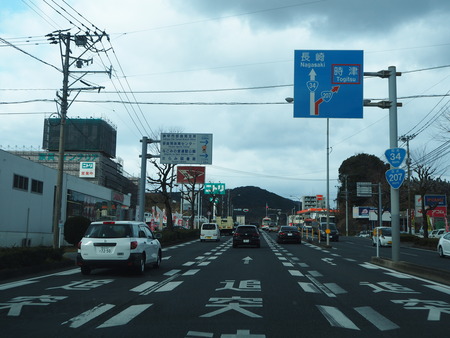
x=432 y=234
x=118 y=244
x=443 y=246
x=439 y=233
x=383 y=235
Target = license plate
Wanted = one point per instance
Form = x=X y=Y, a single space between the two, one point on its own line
x=246 y=241
x=289 y=234
x=208 y=237
x=105 y=249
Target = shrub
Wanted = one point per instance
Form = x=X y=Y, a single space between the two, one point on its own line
x=21 y=257
x=74 y=229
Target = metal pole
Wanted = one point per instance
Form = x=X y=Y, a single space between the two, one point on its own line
x=346 y=206
x=59 y=188
x=328 y=181
x=141 y=197
x=393 y=137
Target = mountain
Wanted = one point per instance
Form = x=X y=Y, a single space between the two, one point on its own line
x=252 y=201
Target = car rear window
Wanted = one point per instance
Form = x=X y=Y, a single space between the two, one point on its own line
x=208 y=226
x=108 y=231
x=242 y=229
x=386 y=232
x=289 y=229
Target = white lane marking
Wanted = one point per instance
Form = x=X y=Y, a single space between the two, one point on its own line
x=143 y=286
x=336 y=318
x=369 y=266
x=67 y=272
x=165 y=258
x=315 y=273
x=125 y=316
x=295 y=273
x=336 y=289
x=282 y=258
x=303 y=265
x=172 y=272
x=380 y=322
x=189 y=263
x=16 y=284
x=309 y=287
x=168 y=287
x=440 y=288
x=200 y=334
x=321 y=287
x=288 y=264
x=85 y=317
x=204 y=263
x=398 y=275
x=191 y=272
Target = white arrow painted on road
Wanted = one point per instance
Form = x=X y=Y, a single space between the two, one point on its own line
x=247 y=260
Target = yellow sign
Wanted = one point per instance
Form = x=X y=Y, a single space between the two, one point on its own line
x=328 y=231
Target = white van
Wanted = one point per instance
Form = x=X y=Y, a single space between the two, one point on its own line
x=209 y=232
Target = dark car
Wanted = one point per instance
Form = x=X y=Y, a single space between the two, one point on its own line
x=288 y=234
x=246 y=235
x=334 y=232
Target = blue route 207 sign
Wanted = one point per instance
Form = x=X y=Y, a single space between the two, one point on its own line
x=395 y=177
x=328 y=83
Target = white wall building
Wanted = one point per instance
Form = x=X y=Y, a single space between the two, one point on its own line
x=27 y=196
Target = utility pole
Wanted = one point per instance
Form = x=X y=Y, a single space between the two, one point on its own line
x=407 y=138
x=64 y=40
x=64 y=105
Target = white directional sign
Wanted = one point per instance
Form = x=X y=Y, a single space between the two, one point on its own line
x=179 y=148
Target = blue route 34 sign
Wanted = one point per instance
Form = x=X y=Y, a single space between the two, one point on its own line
x=328 y=83
x=395 y=156
x=395 y=177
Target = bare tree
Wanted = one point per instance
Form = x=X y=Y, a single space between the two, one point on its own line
x=163 y=183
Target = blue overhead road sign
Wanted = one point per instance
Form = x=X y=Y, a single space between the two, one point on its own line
x=328 y=83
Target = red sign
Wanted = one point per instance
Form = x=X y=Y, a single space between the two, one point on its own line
x=190 y=175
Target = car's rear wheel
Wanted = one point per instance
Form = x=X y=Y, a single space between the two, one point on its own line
x=441 y=252
x=85 y=270
x=157 y=264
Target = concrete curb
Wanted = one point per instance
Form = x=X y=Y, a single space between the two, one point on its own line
x=437 y=275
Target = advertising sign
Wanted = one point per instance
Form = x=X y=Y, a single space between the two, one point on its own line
x=87 y=169
x=190 y=175
x=215 y=188
x=328 y=83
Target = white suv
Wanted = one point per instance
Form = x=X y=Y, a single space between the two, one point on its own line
x=121 y=243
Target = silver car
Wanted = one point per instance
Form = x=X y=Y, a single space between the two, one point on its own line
x=118 y=244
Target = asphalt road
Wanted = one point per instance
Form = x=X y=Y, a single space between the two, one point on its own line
x=209 y=289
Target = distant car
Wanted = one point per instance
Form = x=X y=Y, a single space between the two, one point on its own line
x=440 y=233
x=333 y=231
x=364 y=233
x=432 y=234
x=383 y=235
x=209 y=231
x=288 y=234
x=443 y=246
x=246 y=235
x=118 y=244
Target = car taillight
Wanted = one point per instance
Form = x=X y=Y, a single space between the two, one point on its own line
x=109 y=222
x=133 y=245
x=282 y=233
x=79 y=245
x=255 y=234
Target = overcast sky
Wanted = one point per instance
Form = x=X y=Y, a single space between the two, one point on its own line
x=175 y=54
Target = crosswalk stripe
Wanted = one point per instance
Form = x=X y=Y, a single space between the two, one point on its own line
x=380 y=322
x=191 y=272
x=336 y=318
x=125 y=316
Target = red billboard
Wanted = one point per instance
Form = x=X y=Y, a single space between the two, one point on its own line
x=190 y=175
